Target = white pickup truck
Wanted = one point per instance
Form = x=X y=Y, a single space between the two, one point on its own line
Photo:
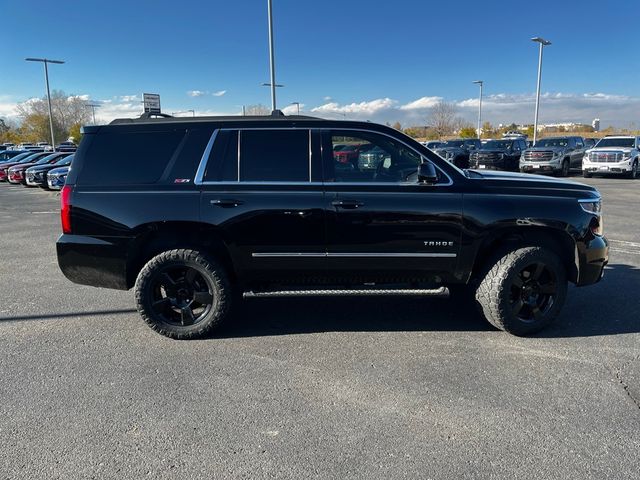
x=618 y=154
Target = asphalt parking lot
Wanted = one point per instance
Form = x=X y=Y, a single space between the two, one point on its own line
x=308 y=388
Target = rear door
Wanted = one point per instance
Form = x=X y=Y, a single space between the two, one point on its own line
x=381 y=224
x=261 y=192
x=576 y=155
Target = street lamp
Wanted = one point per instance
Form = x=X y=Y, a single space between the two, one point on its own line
x=543 y=43
x=297 y=104
x=46 y=78
x=272 y=59
x=93 y=109
x=479 y=82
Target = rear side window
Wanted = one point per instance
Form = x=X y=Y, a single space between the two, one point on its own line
x=259 y=156
x=274 y=155
x=129 y=158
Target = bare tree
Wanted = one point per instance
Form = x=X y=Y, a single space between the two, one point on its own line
x=257 y=109
x=442 y=118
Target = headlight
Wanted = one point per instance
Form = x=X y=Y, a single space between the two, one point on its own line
x=591 y=206
x=626 y=155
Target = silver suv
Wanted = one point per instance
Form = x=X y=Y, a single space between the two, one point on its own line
x=613 y=155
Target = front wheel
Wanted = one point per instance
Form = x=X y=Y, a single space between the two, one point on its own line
x=566 y=167
x=634 y=170
x=523 y=291
x=183 y=294
x=586 y=174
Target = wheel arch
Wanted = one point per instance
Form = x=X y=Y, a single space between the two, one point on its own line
x=157 y=237
x=558 y=241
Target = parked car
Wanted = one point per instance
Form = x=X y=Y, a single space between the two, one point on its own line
x=36 y=176
x=371 y=158
x=226 y=208
x=618 y=155
x=7 y=155
x=66 y=147
x=25 y=157
x=556 y=155
x=57 y=176
x=457 y=151
x=498 y=154
x=432 y=144
x=349 y=154
x=16 y=174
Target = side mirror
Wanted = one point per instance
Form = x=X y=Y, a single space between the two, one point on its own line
x=427 y=173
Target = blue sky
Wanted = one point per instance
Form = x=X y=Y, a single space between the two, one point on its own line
x=383 y=61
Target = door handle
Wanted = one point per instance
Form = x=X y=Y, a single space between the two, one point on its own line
x=226 y=202
x=347 y=203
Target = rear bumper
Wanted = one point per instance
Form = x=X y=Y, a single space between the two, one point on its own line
x=93 y=261
x=593 y=256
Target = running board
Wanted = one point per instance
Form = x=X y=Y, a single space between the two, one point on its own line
x=421 y=292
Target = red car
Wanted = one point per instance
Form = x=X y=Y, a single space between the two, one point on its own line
x=16 y=173
x=350 y=153
x=23 y=157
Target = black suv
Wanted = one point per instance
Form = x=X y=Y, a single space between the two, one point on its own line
x=196 y=213
x=499 y=155
x=457 y=151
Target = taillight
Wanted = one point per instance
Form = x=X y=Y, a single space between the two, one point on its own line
x=65 y=208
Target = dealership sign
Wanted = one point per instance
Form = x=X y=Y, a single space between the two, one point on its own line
x=151 y=102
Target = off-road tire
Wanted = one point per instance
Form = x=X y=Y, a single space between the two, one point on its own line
x=211 y=272
x=495 y=292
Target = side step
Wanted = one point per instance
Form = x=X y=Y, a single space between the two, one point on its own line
x=348 y=292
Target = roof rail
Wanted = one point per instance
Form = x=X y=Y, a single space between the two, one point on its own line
x=147 y=115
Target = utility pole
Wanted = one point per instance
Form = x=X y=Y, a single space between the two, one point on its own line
x=479 y=82
x=543 y=43
x=93 y=109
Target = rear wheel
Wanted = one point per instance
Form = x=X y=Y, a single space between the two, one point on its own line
x=523 y=291
x=564 y=171
x=183 y=294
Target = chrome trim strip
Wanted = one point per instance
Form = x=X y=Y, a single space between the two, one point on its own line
x=205 y=157
x=347 y=292
x=353 y=255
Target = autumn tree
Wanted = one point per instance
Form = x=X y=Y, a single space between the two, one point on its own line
x=397 y=126
x=67 y=110
x=442 y=118
x=257 y=109
x=468 y=132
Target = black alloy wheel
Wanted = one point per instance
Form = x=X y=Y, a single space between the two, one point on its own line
x=533 y=292
x=181 y=295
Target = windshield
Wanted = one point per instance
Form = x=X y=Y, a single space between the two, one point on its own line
x=553 y=142
x=64 y=161
x=496 y=144
x=30 y=158
x=17 y=158
x=47 y=159
x=454 y=143
x=616 y=142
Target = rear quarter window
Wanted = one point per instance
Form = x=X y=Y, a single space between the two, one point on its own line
x=129 y=158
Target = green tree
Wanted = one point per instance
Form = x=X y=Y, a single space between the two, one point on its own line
x=468 y=132
x=75 y=133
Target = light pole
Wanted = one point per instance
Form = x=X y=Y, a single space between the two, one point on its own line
x=297 y=104
x=479 y=82
x=46 y=78
x=543 y=43
x=272 y=59
x=93 y=109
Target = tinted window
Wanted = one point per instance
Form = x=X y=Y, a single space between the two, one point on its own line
x=223 y=161
x=374 y=158
x=274 y=155
x=125 y=158
x=184 y=165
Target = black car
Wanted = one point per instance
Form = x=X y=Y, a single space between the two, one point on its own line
x=195 y=213
x=36 y=176
x=7 y=155
x=499 y=155
x=457 y=151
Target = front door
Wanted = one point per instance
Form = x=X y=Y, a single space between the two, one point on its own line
x=382 y=225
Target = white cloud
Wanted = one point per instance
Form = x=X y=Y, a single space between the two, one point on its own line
x=196 y=93
x=327 y=98
x=219 y=93
x=422 y=103
x=84 y=97
x=361 y=109
x=130 y=98
x=292 y=109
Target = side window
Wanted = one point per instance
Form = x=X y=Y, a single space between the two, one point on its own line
x=223 y=160
x=368 y=157
x=579 y=143
x=274 y=156
x=515 y=146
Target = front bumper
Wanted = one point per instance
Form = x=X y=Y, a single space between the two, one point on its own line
x=36 y=180
x=607 y=168
x=540 y=167
x=56 y=183
x=15 y=177
x=592 y=257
